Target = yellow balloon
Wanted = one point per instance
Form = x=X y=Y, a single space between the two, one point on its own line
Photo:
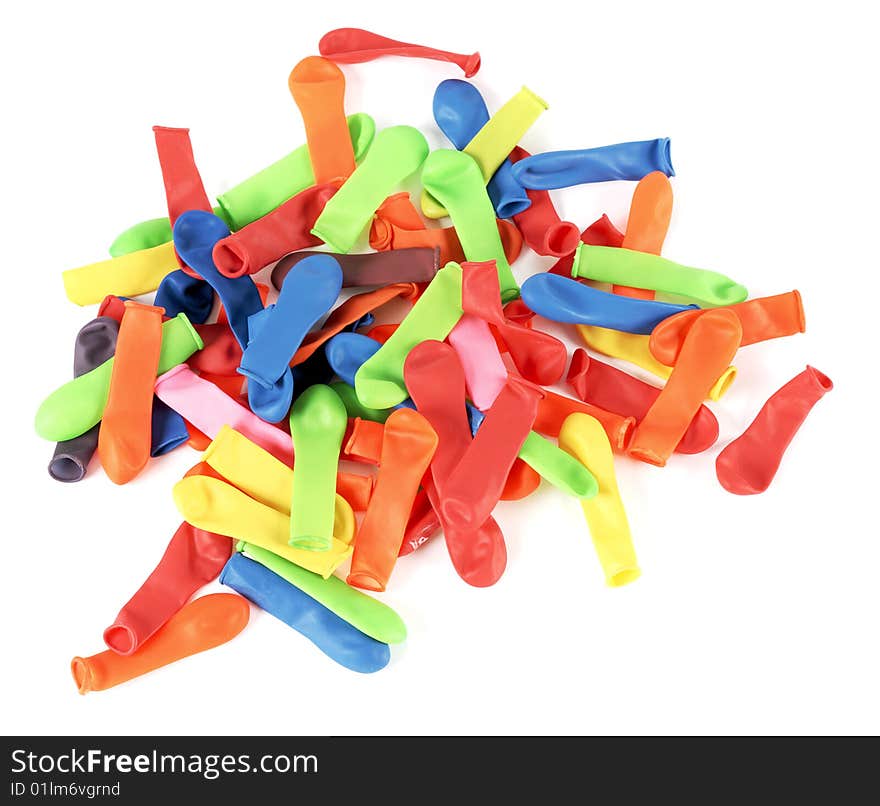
x=265 y=478
x=584 y=438
x=493 y=143
x=125 y=276
x=634 y=348
x=210 y=504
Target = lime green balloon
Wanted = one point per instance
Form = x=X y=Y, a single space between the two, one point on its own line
x=78 y=405
x=317 y=425
x=454 y=179
x=354 y=407
x=370 y=616
x=255 y=197
x=556 y=466
x=379 y=381
x=643 y=270
x=396 y=153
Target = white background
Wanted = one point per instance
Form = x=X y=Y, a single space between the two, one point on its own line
x=753 y=615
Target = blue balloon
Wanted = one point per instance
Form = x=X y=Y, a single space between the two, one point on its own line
x=562 y=299
x=275 y=333
x=168 y=429
x=334 y=636
x=180 y=293
x=195 y=233
x=562 y=169
x=461 y=112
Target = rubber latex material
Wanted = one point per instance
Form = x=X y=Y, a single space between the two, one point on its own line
x=269 y=480
x=317 y=425
x=408 y=444
x=492 y=142
x=348 y=352
x=396 y=153
x=184 y=189
x=638 y=269
x=167 y=429
x=709 y=347
x=364 y=613
x=211 y=504
x=352 y=310
x=75 y=407
x=354 y=407
x=355 y=45
x=748 y=464
x=286 y=229
x=202 y=624
x=318 y=88
x=195 y=234
x=600 y=233
x=192 y=559
x=379 y=382
x=484 y=371
x=397 y=210
x=460 y=112
x=562 y=299
x=311 y=290
x=454 y=179
x=254 y=197
x=394 y=237
x=649 y=214
x=417 y=265
x=614 y=390
x=562 y=169
x=436 y=379
x=334 y=636
x=95 y=344
x=761 y=319
x=540 y=224
x=208 y=408
x=539 y=357
x=124 y=439
x=585 y=439
x=554 y=409
x=221 y=354
x=129 y=275
x=557 y=467
x=181 y=293
x=474 y=486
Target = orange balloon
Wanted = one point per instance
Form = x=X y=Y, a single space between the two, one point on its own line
x=202 y=624
x=363 y=441
x=649 y=214
x=761 y=319
x=350 y=311
x=408 y=445
x=397 y=210
x=124 y=438
x=318 y=87
x=707 y=351
x=553 y=410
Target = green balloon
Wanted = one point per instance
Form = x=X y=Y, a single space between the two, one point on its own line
x=456 y=181
x=396 y=153
x=78 y=405
x=317 y=425
x=379 y=381
x=643 y=270
x=370 y=616
x=559 y=468
x=354 y=407
x=253 y=198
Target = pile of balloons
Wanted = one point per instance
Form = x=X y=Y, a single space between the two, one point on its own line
x=436 y=418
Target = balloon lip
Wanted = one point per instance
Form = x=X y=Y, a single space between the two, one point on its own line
x=169 y=444
x=121 y=639
x=365 y=581
x=508 y=208
x=576 y=260
x=82 y=674
x=472 y=65
x=623 y=576
x=666 y=156
x=561 y=239
x=822 y=381
x=61 y=463
x=802 y=320
x=197 y=339
x=720 y=387
x=228 y=261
